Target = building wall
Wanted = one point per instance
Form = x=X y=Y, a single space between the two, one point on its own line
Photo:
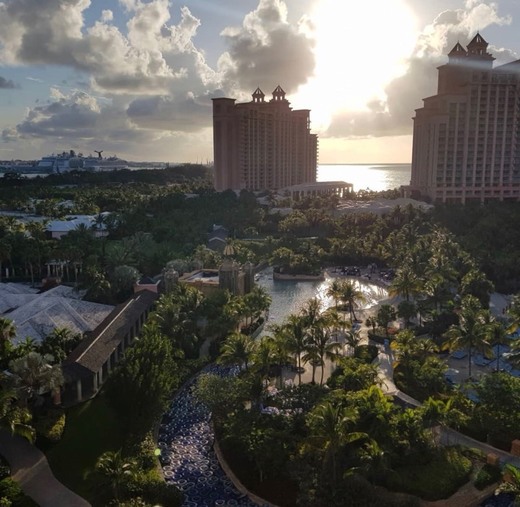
x=262 y=145
x=465 y=144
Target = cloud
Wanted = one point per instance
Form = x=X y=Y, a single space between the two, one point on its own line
x=267 y=49
x=405 y=93
x=107 y=15
x=9 y=135
x=141 y=62
x=7 y=84
x=187 y=114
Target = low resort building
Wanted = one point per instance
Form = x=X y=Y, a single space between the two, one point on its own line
x=88 y=366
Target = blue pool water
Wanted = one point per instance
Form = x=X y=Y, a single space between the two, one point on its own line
x=289 y=296
x=187 y=457
x=503 y=500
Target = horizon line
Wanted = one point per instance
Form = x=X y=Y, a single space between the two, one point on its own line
x=364 y=163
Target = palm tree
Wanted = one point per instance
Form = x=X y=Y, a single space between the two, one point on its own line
x=329 y=430
x=385 y=315
x=437 y=412
x=12 y=417
x=405 y=347
x=498 y=337
x=116 y=470
x=351 y=297
x=7 y=333
x=334 y=291
x=471 y=333
x=324 y=347
x=281 y=351
x=5 y=253
x=352 y=339
x=296 y=334
x=237 y=349
x=511 y=483
x=514 y=355
x=25 y=346
x=263 y=357
x=311 y=312
x=37 y=231
x=514 y=314
x=34 y=375
x=405 y=283
x=256 y=302
x=371 y=321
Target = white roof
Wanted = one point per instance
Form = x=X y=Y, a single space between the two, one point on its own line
x=37 y=315
x=380 y=206
x=71 y=225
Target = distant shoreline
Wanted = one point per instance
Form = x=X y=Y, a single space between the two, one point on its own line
x=367 y=164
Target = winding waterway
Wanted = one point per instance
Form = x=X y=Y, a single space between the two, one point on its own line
x=186 y=435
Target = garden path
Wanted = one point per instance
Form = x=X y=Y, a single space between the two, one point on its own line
x=29 y=467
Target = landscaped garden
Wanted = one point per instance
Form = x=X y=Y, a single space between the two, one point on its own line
x=327 y=442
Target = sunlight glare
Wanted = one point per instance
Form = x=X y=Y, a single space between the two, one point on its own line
x=360 y=47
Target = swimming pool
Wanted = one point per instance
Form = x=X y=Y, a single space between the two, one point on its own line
x=290 y=296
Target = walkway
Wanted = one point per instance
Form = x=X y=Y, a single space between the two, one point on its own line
x=29 y=467
x=448 y=435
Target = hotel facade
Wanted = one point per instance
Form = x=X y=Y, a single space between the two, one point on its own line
x=262 y=145
x=466 y=144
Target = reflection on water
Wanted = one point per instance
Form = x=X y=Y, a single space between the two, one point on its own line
x=289 y=297
x=373 y=176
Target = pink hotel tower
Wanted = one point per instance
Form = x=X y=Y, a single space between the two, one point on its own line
x=466 y=139
x=262 y=145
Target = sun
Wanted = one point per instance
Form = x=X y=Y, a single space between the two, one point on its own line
x=360 y=47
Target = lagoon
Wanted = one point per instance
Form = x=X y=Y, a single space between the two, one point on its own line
x=290 y=296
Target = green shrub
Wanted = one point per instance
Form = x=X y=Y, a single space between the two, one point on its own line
x=381 y=339
x=152 y=489
x=366 y=353
x=487 y=475
x=51 y=425
x=5 y=471
x=435 y=480
x=145 y=452
x=11 y=491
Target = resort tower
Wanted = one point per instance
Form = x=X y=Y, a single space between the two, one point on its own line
x=466 y=144
x=262 y=145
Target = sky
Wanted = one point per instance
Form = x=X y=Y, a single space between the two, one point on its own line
x=135 y=78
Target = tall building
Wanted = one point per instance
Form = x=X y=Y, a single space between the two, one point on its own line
x=261 y=144
x=466 y=144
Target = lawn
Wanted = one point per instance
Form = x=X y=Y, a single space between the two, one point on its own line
x=91 y=429
x=438 y=479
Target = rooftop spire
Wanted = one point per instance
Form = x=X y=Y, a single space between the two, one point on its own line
x=258 y=95
x=478 y=48
x=278 y=93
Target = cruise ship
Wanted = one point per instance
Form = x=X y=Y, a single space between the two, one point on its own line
x=69 y=161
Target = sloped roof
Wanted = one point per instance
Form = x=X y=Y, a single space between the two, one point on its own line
x=90 y=355
x=457 y=49
x=36 y=315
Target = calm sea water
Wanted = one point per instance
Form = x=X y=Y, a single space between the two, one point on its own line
x=375 y=177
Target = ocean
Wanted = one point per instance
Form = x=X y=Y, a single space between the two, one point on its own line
x=375 y=177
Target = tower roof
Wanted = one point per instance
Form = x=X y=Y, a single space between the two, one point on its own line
x=478 y=40
x=258 y=95
x=477 y=48
x=279 y=95
x=457 y=50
